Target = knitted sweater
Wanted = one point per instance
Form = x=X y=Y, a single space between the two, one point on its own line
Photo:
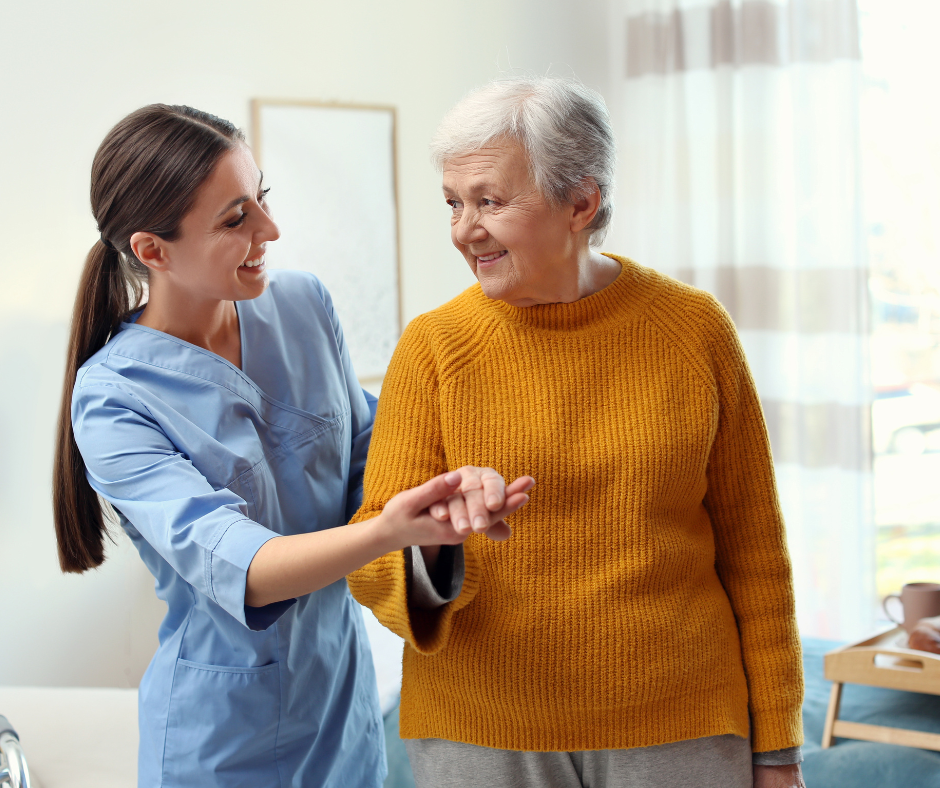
x=645 y=595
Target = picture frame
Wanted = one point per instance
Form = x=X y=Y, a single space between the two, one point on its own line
x=332 y=167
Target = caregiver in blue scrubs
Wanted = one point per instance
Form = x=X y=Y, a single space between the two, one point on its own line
x=221 y=421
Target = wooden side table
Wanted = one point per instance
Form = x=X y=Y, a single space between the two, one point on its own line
x=880 y=661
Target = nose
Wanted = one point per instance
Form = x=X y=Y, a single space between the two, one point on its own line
x=267 y=229
x=468 y=229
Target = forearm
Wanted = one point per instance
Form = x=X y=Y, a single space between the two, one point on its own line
x=291 y=566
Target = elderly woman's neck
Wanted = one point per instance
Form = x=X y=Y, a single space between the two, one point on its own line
x=579 y=276
x=595 y=272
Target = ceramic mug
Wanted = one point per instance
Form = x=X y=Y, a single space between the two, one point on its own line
x=919 y=600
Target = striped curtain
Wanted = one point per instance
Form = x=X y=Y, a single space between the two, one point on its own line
x=739 y=173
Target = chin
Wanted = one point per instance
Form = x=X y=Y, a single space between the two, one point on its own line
x=494 y=287
x=255 y=289
x=498 y=293
x=262 y=283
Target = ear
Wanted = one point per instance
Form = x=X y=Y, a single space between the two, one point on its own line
x=151 y=250
x=585 y=206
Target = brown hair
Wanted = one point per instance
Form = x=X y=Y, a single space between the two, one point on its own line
x=144 y=178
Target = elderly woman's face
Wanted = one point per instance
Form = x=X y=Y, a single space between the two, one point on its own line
x=518 y=246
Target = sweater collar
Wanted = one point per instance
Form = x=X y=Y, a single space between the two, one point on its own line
x=598 y=308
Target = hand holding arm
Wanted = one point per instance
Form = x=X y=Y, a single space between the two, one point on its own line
x=290 y=566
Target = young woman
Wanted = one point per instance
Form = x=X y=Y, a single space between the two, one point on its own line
x=222 y=422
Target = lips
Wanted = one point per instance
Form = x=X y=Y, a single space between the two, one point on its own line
x=492 y=257
x=255 y=262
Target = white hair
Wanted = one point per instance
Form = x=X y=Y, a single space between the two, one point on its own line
x=563 y=126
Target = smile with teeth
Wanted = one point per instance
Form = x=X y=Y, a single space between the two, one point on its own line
x=253 y=263
x=489 y=258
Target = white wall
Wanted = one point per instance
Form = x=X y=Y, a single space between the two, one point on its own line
x=68 y=72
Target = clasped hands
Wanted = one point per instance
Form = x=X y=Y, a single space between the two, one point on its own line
x=450 y=507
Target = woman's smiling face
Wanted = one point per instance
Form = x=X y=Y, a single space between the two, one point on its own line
x=219 y=254
x=518 y=245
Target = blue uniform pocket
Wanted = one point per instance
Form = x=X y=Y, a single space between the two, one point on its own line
x=222 y=726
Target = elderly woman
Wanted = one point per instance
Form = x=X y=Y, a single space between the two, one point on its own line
x=638 y=627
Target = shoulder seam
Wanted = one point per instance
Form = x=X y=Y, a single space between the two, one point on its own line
x=694 y=360
x=445 y=340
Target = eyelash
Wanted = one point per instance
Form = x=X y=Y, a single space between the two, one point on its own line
x=240 y=220
x=487 y=203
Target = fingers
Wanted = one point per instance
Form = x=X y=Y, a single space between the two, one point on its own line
x=515 y=499
x=520 y=485
x=499 y=531
x=483 y=491
x=458 y=527
x=471 y=508
x=437 y=489
x=458 y=510
x=494 y=489
x=513 y=504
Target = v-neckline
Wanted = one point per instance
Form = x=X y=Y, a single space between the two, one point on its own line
x=242 y=375
x=172 y=337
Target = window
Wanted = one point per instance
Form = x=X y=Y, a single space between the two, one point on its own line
x=900 y=134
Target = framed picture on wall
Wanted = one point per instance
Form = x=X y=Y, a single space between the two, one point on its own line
x=332 y=169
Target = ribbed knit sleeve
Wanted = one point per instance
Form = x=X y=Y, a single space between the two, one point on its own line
x=751 y=555
x=407 y=450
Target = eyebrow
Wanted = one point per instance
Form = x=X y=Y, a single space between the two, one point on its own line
x=239 y=200
x=475 y=187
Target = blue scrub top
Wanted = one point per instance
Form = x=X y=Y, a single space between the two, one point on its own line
x=204 y=463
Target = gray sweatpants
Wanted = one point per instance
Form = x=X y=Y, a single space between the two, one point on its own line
x=711 y=762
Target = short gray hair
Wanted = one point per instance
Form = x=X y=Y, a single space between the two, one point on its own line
x=563 y=126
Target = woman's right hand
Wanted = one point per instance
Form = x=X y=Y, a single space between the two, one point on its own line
x=408 y=517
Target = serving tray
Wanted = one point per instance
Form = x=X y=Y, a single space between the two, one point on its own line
x=883 y=660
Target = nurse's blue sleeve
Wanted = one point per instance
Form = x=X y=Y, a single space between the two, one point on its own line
x=203 y=533
x=357 y=462
x=362 y=406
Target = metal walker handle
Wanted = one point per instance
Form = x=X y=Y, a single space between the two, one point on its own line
x=13 y=769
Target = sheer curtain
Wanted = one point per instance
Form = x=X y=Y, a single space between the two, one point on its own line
x=739 y=173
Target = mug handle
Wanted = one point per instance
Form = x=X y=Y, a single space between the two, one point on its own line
x=884 y=606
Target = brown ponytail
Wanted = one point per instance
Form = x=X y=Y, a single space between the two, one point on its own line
x=144 y=178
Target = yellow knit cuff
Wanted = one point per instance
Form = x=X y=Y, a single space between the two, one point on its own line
x=382 y=586
x=776 y=729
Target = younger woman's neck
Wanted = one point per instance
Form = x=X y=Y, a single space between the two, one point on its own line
x=206 y=323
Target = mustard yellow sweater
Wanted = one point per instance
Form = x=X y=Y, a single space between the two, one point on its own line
x=645 y=595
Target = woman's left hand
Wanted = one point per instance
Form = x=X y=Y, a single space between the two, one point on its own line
x=481 y=491
x=790 y=776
